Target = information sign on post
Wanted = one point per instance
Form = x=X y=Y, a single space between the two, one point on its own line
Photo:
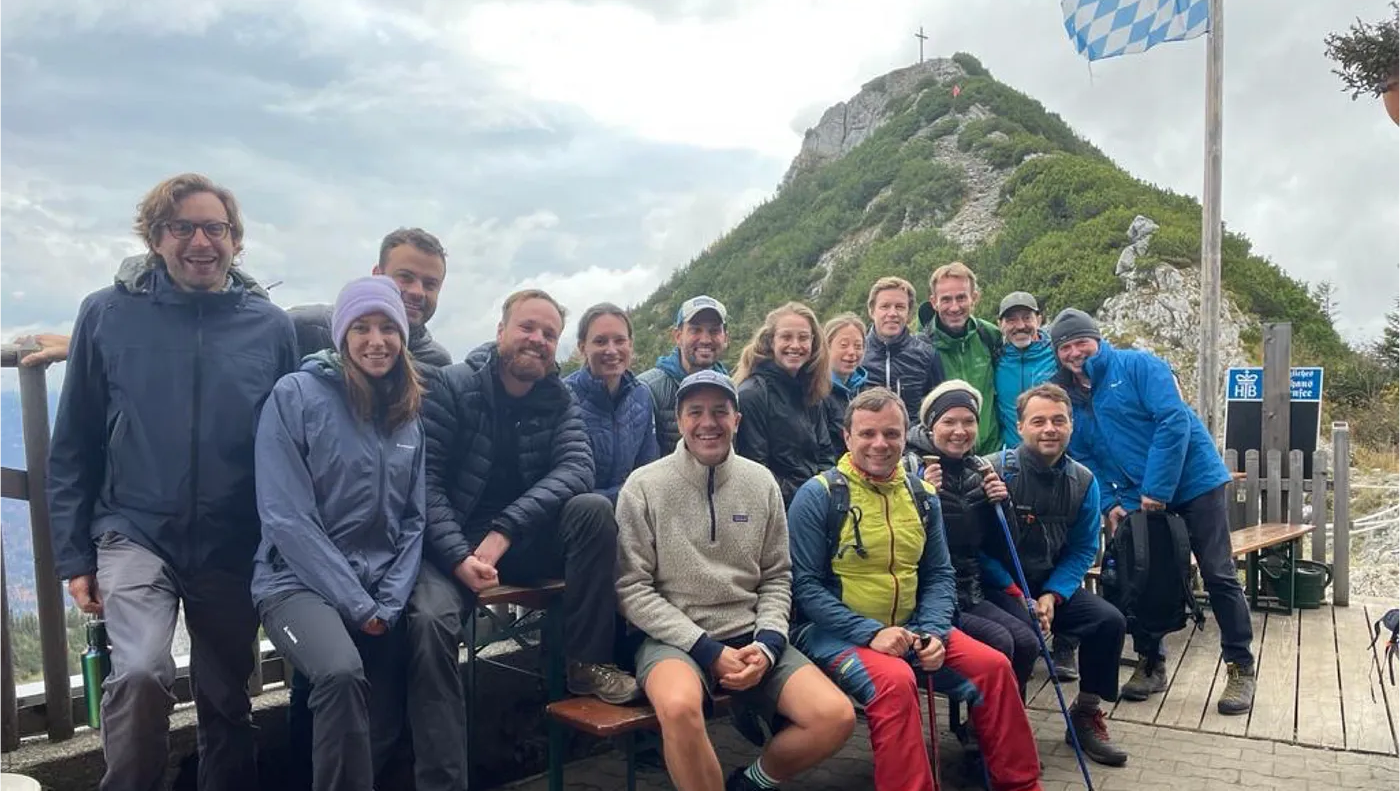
x=1244 y=411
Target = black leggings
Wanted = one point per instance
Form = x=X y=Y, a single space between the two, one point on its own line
x=989 y=624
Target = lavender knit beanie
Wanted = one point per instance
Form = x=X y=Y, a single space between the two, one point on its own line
x=363 y=296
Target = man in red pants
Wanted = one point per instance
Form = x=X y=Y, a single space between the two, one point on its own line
x=870 y=582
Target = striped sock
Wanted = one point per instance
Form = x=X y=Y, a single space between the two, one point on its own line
x=758 y=777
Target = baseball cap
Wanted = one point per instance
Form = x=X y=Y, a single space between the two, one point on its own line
x=1017 y=299
x=707 y=378
x=694 y=305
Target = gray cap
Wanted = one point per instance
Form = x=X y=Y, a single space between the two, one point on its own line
x=1017 y=299
x=694 y=305
x=1071 y=324
x=706 y=378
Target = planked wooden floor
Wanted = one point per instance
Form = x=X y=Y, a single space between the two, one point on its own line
x=1319 y=683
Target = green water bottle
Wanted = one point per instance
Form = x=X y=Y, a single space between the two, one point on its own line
x=97 y=664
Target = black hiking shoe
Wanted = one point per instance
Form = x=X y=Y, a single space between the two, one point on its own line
x=738 y=781
x=1062 y=654
x=1149 y=678
x=1238 y=697
x=1094 y=740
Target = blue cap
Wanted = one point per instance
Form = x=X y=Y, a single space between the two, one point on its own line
x=706 y=378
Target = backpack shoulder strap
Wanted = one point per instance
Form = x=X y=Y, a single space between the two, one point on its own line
x=1181 y=549
x=922 y=499
x=838 y=505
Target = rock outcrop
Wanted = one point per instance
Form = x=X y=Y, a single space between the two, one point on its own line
x=1159 y=310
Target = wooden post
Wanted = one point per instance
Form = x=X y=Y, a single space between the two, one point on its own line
x=53 y=626
x=1234 y=491
x=1295 y=487
x=1319 y=506
x=9 y=709
x=1341 y=514
x=1273 y=495
x=1208 y=377
x=1278 y=349
x=1251 y=488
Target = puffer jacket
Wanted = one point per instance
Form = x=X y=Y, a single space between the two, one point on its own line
x=621 y=428
x=154 y=434
x=341 y=499
x=907 y=364
x=971 y=357
x=663 y=381
x=1018 y=370
x=313 y=323
x=835 y=405
x=458 y=427
x=1137 y=435
x=888 y=567
x=970 y=524
x=779 y=430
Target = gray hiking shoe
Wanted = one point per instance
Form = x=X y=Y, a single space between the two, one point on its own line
x=1092 y=730
x=1149 y=678
x=606 y=682
x=1238 y=697
x=1062 y=654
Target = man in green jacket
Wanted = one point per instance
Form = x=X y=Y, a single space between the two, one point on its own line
x=968 y=346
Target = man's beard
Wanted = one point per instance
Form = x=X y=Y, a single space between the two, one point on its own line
x=525 y=369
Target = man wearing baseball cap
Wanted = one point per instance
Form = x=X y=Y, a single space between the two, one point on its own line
x=700 y=341
x=713 y=597
x=1026 y=359
x=1150 y=452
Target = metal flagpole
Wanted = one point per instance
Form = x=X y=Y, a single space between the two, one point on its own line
x=1209 y=358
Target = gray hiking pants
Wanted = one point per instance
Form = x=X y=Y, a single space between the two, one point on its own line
x=140 y=594
x=357 y=688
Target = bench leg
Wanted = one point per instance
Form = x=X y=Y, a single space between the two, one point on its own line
x=469 y=682
x=1251 y=579
x=554 y=681
x=629 y=750
x=1293 y=575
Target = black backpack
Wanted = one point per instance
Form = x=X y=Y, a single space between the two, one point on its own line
x=839 y=504
x=1146 y=574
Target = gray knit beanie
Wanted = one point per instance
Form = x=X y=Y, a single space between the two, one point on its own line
x=1071 y=324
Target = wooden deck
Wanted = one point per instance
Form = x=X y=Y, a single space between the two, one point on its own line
x=1319 y=685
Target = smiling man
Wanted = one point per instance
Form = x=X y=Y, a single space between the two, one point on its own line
x=151 y=482
x=1149 y=451
x=701 y=339
x=510 y=500
x=895 y=357
x=1026 y=358
x=968 y=346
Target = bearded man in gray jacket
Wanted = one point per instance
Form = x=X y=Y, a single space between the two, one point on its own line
x=704 y=570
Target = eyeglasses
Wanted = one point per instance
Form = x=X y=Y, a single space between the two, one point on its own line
x=184 y=229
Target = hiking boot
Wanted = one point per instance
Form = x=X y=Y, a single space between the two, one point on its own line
x=1238 y=697
x=605 y=682
x=1149 y=677
x=1062 y=654
x=1094 y=740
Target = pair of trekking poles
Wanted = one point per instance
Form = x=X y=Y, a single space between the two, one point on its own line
x=984 y=468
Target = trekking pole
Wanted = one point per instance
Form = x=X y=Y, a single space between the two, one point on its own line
x=983 y=467
x=932 y=723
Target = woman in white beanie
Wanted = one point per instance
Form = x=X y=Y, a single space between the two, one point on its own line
x=950 y=415
x=339 y=460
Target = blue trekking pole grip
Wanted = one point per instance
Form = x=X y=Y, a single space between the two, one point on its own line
x=985 y=468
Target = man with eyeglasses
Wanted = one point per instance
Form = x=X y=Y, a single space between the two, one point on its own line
x=151 y=485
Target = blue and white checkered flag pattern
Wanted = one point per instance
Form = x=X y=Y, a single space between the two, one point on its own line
x=1108 y=28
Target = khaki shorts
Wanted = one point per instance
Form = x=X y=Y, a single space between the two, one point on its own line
x=762 y=698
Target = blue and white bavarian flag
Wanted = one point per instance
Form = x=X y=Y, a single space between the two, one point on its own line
x=1107 y=28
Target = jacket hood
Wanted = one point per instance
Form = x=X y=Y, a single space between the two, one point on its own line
x=325 y=364
x=135 y=274
x=671 y=364
x=853 y=385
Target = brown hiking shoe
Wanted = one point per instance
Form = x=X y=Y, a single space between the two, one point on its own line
x=1238 y=697
x=607 y=682
x=1092 y=730
x=1150 y=677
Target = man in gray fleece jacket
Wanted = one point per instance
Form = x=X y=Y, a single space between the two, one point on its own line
x=704 y=570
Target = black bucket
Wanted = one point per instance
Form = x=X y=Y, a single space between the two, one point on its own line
x=1313 y=579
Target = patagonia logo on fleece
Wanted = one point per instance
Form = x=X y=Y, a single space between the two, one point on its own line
x=741 y=517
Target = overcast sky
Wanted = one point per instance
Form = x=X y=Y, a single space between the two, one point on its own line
x=591 y=147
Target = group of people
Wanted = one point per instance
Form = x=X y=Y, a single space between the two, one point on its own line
x=824 y=527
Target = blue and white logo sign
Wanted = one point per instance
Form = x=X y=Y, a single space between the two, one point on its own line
x=1247 y=384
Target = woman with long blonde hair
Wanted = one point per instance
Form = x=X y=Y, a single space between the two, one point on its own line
x=784 y=375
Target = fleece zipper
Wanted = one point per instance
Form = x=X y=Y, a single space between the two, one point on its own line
x=710 y=497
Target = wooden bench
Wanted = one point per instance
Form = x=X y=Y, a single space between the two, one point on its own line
x=605 y=721
x=1249 y=541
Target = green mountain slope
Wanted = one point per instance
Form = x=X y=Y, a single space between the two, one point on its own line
x=883 y=208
